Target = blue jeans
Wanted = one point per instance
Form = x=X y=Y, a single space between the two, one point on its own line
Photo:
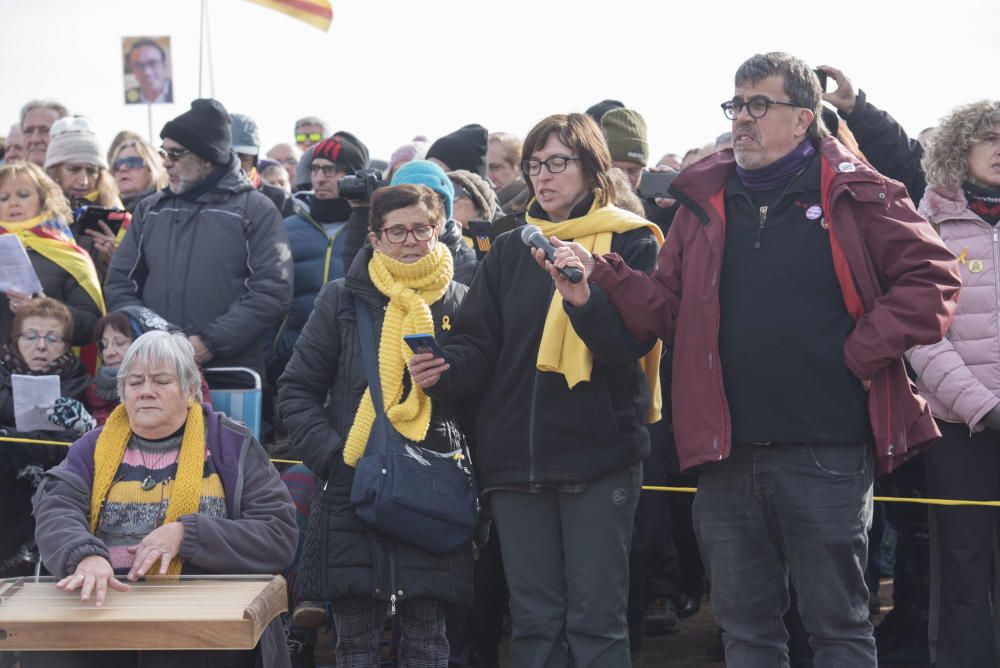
x=774 y=512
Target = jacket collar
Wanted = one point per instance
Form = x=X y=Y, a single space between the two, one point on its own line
x=705 y=179
x=943 y=204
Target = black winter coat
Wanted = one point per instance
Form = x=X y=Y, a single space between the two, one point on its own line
x=530 y=427
x=886 y=146
x=60 y=285
x=318 y=396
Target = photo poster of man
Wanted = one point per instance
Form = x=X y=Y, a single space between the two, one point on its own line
x=147 y=70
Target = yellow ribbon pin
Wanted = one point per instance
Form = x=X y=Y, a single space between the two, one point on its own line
x=446 y=323
x=963 y=255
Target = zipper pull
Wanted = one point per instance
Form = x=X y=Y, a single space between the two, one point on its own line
x=760 y=229
x=392 y=604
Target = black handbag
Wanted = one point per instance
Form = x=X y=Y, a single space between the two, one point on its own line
x=414 y=494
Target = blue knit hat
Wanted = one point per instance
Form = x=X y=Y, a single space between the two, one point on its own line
x=430 y=174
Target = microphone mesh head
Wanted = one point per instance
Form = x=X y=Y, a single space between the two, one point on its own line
x=527 y=232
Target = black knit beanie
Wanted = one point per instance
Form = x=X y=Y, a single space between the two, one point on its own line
x=344 y=150
x=464 y=148
x=204 y=130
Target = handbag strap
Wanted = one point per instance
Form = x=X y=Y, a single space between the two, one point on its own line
x=366 y=334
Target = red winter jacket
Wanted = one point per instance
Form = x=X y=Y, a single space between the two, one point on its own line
x=899 y=282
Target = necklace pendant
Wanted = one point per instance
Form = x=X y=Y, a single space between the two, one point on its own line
x=148 y=483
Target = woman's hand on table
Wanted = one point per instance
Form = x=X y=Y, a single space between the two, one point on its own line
x=93 y=575
x=161 y=544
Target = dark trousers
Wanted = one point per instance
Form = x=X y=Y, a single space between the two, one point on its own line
x=774 y=513
x=360 y=623
x=963 y=466
x=566 y=560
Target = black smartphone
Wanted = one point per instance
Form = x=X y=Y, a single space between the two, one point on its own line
x=423 y=343
x=823 y=78
x=656 y=184
x=89 y=215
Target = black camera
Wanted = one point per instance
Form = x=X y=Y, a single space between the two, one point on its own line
x=361 y=185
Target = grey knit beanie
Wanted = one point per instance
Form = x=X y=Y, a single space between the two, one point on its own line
x=73 y=140
x=478 y=188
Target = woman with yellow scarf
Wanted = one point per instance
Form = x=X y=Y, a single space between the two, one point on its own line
x=566 y=392
x=404 y=281
x=33 y=209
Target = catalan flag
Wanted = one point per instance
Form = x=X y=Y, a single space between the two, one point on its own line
x=317 y=13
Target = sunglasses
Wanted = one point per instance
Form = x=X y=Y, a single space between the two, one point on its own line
x=174 y=154
x=132 y=162
x=300 y=137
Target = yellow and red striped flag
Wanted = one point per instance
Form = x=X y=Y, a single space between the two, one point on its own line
x=317 y=13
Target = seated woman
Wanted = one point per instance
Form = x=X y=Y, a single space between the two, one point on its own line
x=33 y=209
x=114 y=333
x=404 y=280
x=75 y=161
x=166 y=486
x=39 y=346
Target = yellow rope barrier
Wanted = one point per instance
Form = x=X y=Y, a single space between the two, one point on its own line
x=648 y=488
x=887 y=499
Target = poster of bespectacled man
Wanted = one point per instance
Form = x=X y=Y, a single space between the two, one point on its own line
x=147 y=70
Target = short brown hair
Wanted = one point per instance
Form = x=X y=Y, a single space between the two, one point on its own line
x=581 y=134
x=511 y=147
x=43 y=307
x=118 y=321
x=387 y=200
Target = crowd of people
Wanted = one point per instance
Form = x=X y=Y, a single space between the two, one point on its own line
x=792 y=316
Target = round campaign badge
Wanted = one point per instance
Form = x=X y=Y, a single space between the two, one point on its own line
x=814 y=212
x=975 y=266
x=846 y=167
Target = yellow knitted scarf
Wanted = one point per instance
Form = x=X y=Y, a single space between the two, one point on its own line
x=561 y=349
x=186 y=495
x=411 y=289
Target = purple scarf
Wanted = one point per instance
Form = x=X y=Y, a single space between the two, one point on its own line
x=779 y=172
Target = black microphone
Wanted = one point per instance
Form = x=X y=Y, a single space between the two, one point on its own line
x=533 y=237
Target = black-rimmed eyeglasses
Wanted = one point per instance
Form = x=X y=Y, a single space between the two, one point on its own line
x=397 y=233
x=555 y=165
x=756 y=106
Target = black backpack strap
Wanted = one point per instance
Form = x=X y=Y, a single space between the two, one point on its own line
x=366 y=336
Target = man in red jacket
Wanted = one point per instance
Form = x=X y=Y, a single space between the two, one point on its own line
x=792 y=281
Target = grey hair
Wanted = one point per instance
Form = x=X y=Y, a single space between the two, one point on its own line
x=58 y=107
x=946 y=158
x=313 y=120
x=801 y=84
x=157 y=347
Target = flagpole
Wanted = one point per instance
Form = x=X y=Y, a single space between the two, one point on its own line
x=208 y=45
x=201 y=48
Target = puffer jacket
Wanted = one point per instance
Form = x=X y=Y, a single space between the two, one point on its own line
x=216 y=264
x=960 y=375
x=318 y=396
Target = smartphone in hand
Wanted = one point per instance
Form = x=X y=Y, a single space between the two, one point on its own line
x=424 y=343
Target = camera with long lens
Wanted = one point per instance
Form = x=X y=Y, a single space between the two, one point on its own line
x=361 y=185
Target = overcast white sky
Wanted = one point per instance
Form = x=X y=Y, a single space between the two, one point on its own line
x=388 y=70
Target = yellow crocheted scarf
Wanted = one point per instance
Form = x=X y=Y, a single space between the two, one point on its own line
x=186 y=495
x=561 y=349
x=411 y=289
